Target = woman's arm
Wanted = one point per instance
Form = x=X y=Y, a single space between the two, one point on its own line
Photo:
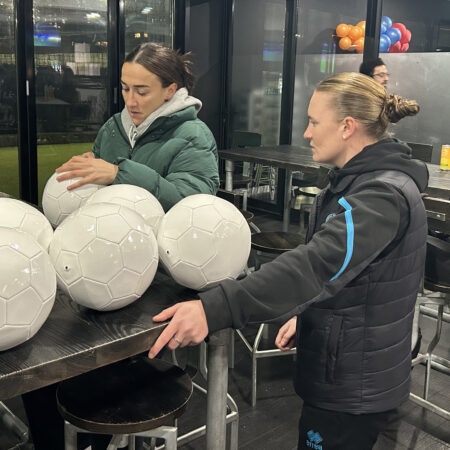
x=193 y=170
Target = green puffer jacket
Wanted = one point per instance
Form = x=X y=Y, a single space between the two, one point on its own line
x=174 y=158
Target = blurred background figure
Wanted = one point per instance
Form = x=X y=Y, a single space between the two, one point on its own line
x=66 y=90
x=376 y=69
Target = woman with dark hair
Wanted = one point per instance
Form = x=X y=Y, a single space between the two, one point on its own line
x=352 y=287
x=156 y=142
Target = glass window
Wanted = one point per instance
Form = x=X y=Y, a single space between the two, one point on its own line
x=321 y=52
x=148 y=21
x=421 y=72
x=71 y=67
x=257 y=74
x=9 y=165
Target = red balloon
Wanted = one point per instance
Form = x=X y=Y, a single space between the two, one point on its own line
x=406 y=37
x=395 y=48
x=404 y=47
x=400 y=27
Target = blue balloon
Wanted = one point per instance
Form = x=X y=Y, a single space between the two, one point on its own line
x=394 y=35
x=385 y=43
x=383 y=29
x=386 y=21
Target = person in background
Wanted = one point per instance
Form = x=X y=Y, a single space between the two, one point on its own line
x=352 y=287
x=376 y=69
x=67 y=90
x=156 y=142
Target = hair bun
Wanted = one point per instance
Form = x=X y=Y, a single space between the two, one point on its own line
x=396 y=108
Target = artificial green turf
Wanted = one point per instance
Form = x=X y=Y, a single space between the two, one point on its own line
x=49 y=158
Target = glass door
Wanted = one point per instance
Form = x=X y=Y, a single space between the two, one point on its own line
x=70 y=48
x=9 y=166
x=257 y=74
x=148 y=21
x=330 y=40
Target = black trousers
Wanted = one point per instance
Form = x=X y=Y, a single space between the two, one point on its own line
x=322 y=429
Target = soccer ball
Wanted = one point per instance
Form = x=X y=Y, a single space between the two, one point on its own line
x=27 y=287
x=134 y=197
x=58 y=202
x=203 y=240
x=105 y=256
x=24 y=217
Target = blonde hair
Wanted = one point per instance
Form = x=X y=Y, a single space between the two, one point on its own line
x=362 y=98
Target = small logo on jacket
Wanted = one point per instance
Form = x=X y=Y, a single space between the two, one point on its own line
x=330 y=216
x=314 y=440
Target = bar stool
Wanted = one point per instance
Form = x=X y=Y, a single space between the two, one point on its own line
x=305 y=196
x=273 y=242
x=436 y=280
x=134 y=397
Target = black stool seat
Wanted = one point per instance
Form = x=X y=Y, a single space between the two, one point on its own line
x=276 y=241
x=247 y=215
x=308 y=191
x=131 y=396
x=436 y=287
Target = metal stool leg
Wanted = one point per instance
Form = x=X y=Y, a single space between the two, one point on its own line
x=70 y=436
x=131 y=442
x=431 y=346
x=231 y=351
x=255 y=361
x=117 y=441
x=169 y=434
x=427 y=358
x=13 y=423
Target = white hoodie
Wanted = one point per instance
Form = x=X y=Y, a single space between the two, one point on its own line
x=180 y=100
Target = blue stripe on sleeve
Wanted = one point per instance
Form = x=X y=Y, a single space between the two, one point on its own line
x=350 y=235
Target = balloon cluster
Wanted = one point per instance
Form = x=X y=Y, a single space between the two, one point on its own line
x=394 y=37
x=351 y=37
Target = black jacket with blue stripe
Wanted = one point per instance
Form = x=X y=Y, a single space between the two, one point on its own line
x=353 y=285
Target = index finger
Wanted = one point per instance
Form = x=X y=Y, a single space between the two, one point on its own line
x=163 y=339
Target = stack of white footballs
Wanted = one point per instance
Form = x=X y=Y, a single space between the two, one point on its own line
x=105 y=249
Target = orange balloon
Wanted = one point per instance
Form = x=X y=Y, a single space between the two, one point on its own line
x=345 y=43
x=362 y=25
x=359 y=45
x=355 y=33
x=342 y=30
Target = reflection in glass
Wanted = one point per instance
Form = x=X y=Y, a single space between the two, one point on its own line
x=148 y=21
x=421 y=73
x=71 y=67
x=9 y=168
x=258 y=41
x=318 y=52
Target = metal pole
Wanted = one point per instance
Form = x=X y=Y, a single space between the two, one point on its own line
x=229 y=168
x=216 y=402
x=287 y=199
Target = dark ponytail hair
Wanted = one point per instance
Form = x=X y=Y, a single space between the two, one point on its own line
x=168 y=64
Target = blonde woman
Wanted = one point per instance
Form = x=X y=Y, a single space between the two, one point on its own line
x=353 y=286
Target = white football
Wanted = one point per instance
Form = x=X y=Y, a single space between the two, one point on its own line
x=58 y=202
x=24 y=217
x=105 y=256
x=27 y=287
x=134 y=197
x=203 y=240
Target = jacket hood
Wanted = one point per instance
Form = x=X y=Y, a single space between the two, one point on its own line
x=387 y=154
x=180 y=100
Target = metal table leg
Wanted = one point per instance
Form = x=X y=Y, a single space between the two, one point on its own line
x=216 y=403
x=287 y=199
x=229 y=169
